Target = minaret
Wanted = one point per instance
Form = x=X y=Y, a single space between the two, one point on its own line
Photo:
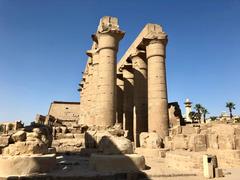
x=188 y=109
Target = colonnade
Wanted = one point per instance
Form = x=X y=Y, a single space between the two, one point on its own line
x=132 y=92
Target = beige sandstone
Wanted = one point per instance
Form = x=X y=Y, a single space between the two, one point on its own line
x=19 y=136
x=150 y=140
x=115 y=145
x=26 y=165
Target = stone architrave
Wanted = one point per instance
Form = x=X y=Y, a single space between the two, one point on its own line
x=107 y=37
x=128 y=99
x=140 y=93
x=158 y=120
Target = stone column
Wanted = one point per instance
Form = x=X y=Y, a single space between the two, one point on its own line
x=93 y=54
x=86 y=100
x=140 y=94
x=107 y=37
x=90 y=94
x=128 y=99
x=83 y=100
x=120 y=87
x=95 y=87
x=80 y=106
x=158 y=120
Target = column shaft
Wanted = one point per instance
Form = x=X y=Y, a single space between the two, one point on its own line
x=140 y=96
x=158 y=120
x=120 y=88
x=128 y=100
x=107 y=83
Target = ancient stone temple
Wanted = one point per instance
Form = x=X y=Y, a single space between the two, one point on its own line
x=123 y=127
x=133 y=91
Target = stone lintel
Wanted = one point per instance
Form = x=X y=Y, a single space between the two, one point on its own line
x=150 y=31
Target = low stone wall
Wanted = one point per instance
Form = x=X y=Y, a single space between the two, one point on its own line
x=222 y=140
x=26 y=165
x=203 y=137
x=69 y=144
x=226 y=158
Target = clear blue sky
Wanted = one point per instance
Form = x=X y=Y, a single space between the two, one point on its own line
x=43 y=44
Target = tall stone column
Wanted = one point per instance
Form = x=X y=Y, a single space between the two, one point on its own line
x=87 y=100
x=140 y=94
x=83 y=100
x=81 y=84
x=158 y=120
x=90 y=94
x=128 y=100
x=120 y=89
x=93 y=54
x=107 y=37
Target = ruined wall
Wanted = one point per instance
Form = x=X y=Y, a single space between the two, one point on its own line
x=216 y=138
x=65 y=111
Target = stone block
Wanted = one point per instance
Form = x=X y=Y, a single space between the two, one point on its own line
x=226 y=141
x=237 y=143
x=184 y=160
x=32 y=136
x=115 y=145
x=218 y=173
x=223 y=129
x=176 y=130
x=180 y=142
x=188 y=130
x=28 y=147
x=168 y=142
x=68 y=145
x=150 y=140
x=4 y=141
x=26 y=165
x=92 y=138
x=212 y=141
x=197 y=142
x=19 y=136
x=79 y=136
x=117 y=163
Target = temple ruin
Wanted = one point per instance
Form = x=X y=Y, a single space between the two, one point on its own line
x=132 y=92
x=123 y=127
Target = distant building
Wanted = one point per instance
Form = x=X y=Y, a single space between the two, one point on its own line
x=64 y=113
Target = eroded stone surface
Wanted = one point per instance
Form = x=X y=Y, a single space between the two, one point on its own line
x=150 y=140
x=115 y=145
x=26 y=165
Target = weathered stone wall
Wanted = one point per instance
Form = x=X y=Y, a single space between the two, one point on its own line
x=214 y=138
x=65 y=111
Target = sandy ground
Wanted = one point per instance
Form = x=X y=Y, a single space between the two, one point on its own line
x=77 y=165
